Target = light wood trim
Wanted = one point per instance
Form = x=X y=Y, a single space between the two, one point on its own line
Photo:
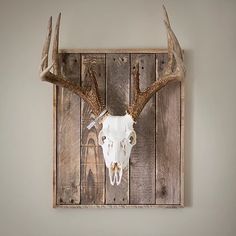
x=182 y=112
x=121 y=206
x=54 y=147
x=113 y=50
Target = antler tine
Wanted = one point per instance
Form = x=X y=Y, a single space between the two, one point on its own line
x=89 y=95
x=172 y=71
x=176 y=52
x=136 y=75
x=166 y=20
x=55 y=57
x=46 y=45
x=94 y=91
x=92 y=75
x=173 y=43
x=166 y=15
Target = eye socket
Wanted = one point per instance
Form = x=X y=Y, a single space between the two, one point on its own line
x=132 y=138
x=101 y=138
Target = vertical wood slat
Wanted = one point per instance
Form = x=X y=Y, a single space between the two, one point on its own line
x=68 y=135
x=92 y=161
x=168 y=160
x=143 y=159
x=117 y=98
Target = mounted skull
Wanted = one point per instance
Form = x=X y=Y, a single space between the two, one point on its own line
x=117 y=136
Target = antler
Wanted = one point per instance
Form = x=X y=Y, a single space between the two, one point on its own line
x=89 y=94
x=174 y=70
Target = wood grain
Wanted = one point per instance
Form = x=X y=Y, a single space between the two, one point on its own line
x=168 y=140
x=143 y=159
x=92 y=162
x=117 y=97
x=68 y=135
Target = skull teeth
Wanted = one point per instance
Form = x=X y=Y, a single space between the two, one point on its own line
x=115 y=173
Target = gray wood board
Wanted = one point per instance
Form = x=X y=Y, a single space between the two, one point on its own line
x=68 y=135
x=118 y=80
x=143 y=160
x=92 y=164
x=168 y=140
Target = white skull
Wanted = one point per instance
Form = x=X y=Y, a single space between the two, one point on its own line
x=117 y=138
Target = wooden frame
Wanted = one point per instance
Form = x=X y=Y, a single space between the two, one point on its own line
x=180 y=202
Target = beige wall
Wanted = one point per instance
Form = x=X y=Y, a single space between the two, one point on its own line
x=207 y=32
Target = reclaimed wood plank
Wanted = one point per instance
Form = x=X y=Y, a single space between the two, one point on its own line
x=119 y=206
x=117 y=98
x=92 y=162
x=68 y=134
x=143 y=159
x=168 y=160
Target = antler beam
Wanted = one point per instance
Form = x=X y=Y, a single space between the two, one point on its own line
x=88 y=94
x=174 y=70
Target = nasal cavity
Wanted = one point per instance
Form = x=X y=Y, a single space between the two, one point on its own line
x=114 y=165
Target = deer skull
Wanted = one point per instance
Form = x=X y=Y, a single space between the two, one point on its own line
x=117 y=138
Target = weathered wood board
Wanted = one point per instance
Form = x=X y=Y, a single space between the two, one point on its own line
x=92 y=165
x=117 y=98
x=154 y=177
x=143 y=159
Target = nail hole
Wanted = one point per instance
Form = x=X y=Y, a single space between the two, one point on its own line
x=75 y=60
x=61 y=200
x=123 y=199
x=142 y=67
x=134 y=67
x=72 y=200
x=114 y=59
x=114 y=199
x=162 y=62
x=163 y=190
x=122 y=59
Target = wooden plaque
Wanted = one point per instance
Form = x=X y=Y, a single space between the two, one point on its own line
x=154 y=177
